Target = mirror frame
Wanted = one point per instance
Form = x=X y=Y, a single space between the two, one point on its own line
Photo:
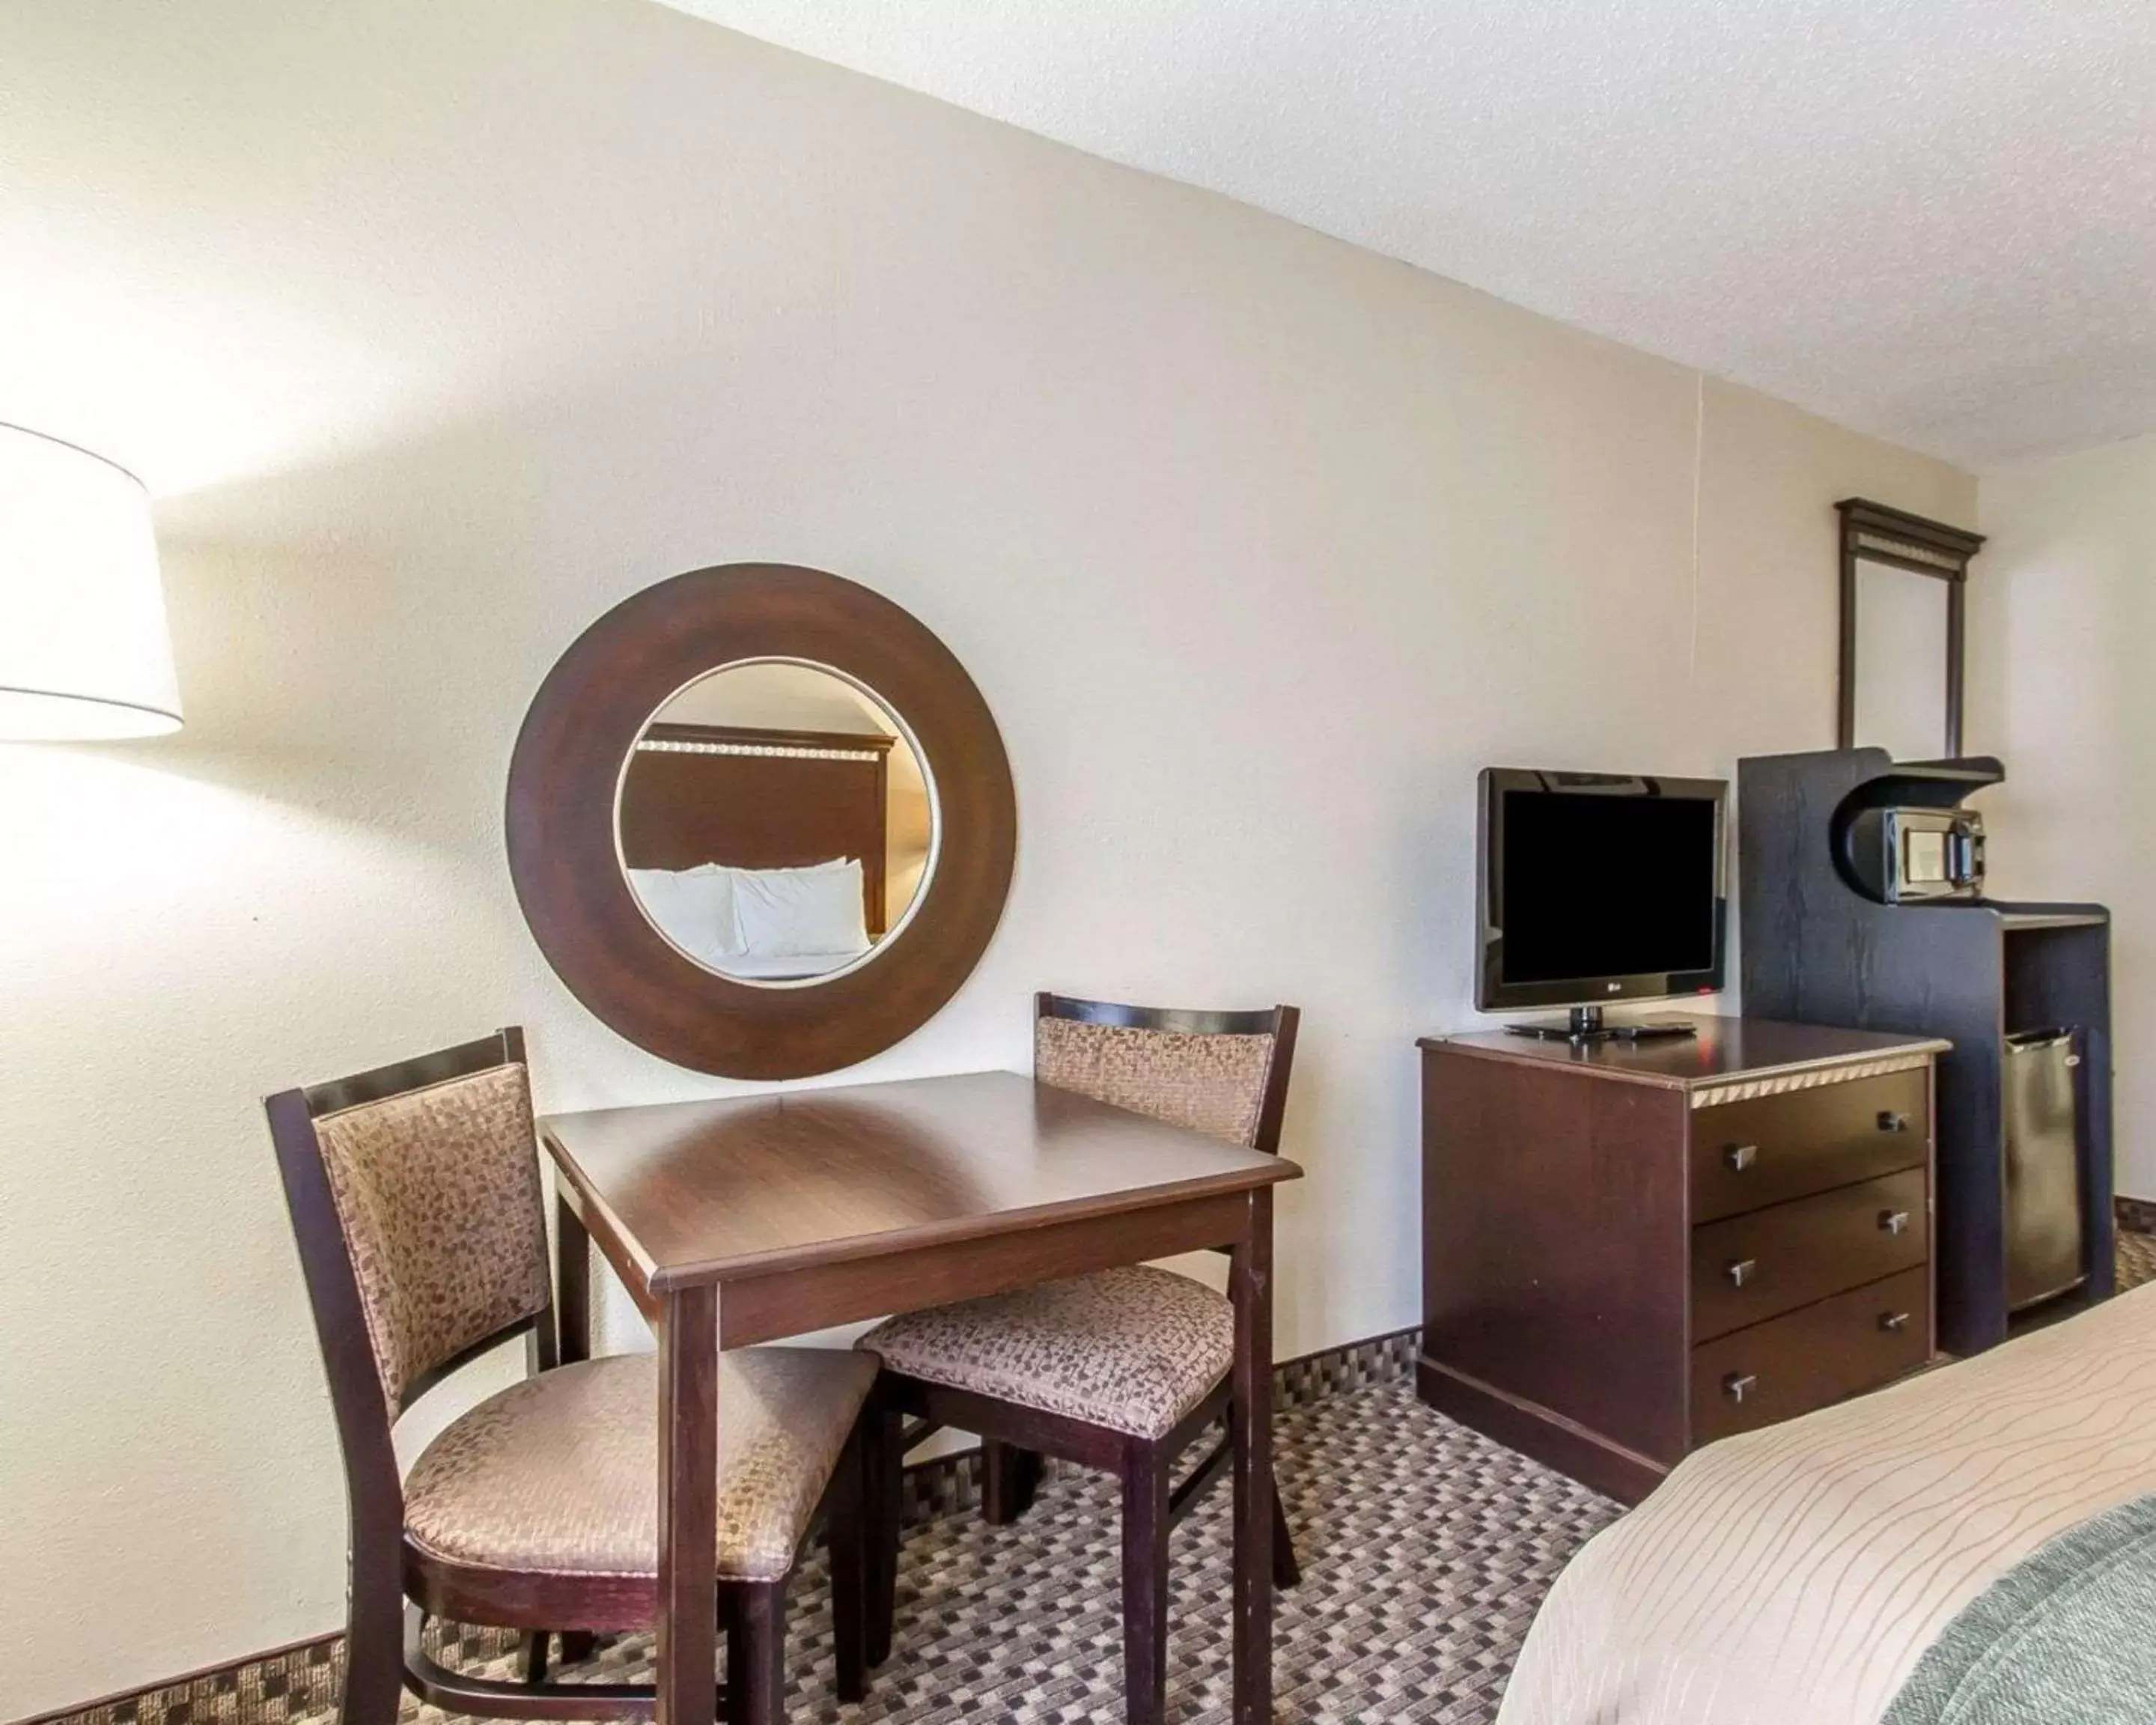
x=1873 y=533
x=565 y=862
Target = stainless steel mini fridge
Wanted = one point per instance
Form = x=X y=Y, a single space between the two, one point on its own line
x=2044 y=1224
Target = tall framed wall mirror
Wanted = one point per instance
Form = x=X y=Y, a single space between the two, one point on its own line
x=760 y=821
x=1904 y=582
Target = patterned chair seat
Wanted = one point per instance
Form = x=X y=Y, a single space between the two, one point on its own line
x=554 y=1474
x=1133 y=1349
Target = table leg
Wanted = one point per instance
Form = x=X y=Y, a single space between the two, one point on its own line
x=573 y=1324
x=573 y=1296
x=688 y=1653
x=1250 y=1427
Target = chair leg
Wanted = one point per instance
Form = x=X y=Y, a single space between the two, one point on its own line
x=883 y=1464
x=733 y=1634
x=1010 y=1475
x=535 y=1655
x=847 y=1533
x=1145 y=1583
x=373 y=1661
x=755 y=1655
x=1287 y=1572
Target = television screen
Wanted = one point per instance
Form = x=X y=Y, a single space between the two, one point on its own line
x=1609 y=888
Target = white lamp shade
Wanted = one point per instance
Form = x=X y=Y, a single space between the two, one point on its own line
x=84 y=653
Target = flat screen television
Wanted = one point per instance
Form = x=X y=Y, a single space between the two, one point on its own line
x=1594 y=887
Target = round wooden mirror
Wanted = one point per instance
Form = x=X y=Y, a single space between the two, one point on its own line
x=760 y=821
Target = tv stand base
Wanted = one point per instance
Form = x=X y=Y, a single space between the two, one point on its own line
x=1586 y=1025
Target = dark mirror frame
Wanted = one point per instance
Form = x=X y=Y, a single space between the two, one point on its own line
x=1873 y=533
x=564 y=859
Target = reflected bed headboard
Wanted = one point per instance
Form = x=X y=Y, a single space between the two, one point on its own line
x=754 y=798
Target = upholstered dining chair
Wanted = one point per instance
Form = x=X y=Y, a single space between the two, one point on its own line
x=415 y=1196
x=1122 y=1370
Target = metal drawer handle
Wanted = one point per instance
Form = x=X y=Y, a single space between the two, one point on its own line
x=1892 y=1320
x=1893 y=1221
x=1740 y=1157
x=1737 y=1385
x=1889 y=1122
x=1740 y=1271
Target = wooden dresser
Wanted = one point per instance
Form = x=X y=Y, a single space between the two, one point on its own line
x=1630 y=1249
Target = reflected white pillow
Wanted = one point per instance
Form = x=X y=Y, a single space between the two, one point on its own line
x=693 y=907
x=784 y=913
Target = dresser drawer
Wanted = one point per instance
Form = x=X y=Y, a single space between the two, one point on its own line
x=1767 y=1150
x=1759 y=1265
x=1773 y=1370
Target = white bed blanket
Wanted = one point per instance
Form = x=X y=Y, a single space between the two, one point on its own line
x=1794 y=1576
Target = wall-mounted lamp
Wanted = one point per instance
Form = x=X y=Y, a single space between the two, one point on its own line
x=83 y=650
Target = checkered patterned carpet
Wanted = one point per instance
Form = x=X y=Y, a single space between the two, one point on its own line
x=2136 y=1259
x=1426 y=1550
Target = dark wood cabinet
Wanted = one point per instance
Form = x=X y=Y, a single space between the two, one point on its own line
x=1978 y=972
x=1749 y=1268
x=1791 y=1144
x=1817 y=1354
x=1631 y=1249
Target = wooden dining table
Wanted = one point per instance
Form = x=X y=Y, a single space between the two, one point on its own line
x=744 y=1219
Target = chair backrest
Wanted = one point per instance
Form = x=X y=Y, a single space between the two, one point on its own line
x=1224 y=1074
x=415 y=1198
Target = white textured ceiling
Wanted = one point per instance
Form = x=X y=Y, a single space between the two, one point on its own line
x=1934 y=220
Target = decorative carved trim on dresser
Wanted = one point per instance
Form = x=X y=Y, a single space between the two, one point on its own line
x=1631 y=1249
x=1780 y=1084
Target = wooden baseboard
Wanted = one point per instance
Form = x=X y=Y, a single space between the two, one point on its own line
x=287 y=1682
x=1538 y=1431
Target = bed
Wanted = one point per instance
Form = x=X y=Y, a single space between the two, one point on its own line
x=1801 y=1574
x=768 y=809
x=758 y=798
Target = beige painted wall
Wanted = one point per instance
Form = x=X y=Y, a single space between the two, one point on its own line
x=444 y=328
x=2062 y=609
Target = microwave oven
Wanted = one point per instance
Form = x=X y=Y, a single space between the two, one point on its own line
x=1908 y=856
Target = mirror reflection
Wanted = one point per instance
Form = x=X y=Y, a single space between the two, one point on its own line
x=1901 y=661
x=776 y=823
